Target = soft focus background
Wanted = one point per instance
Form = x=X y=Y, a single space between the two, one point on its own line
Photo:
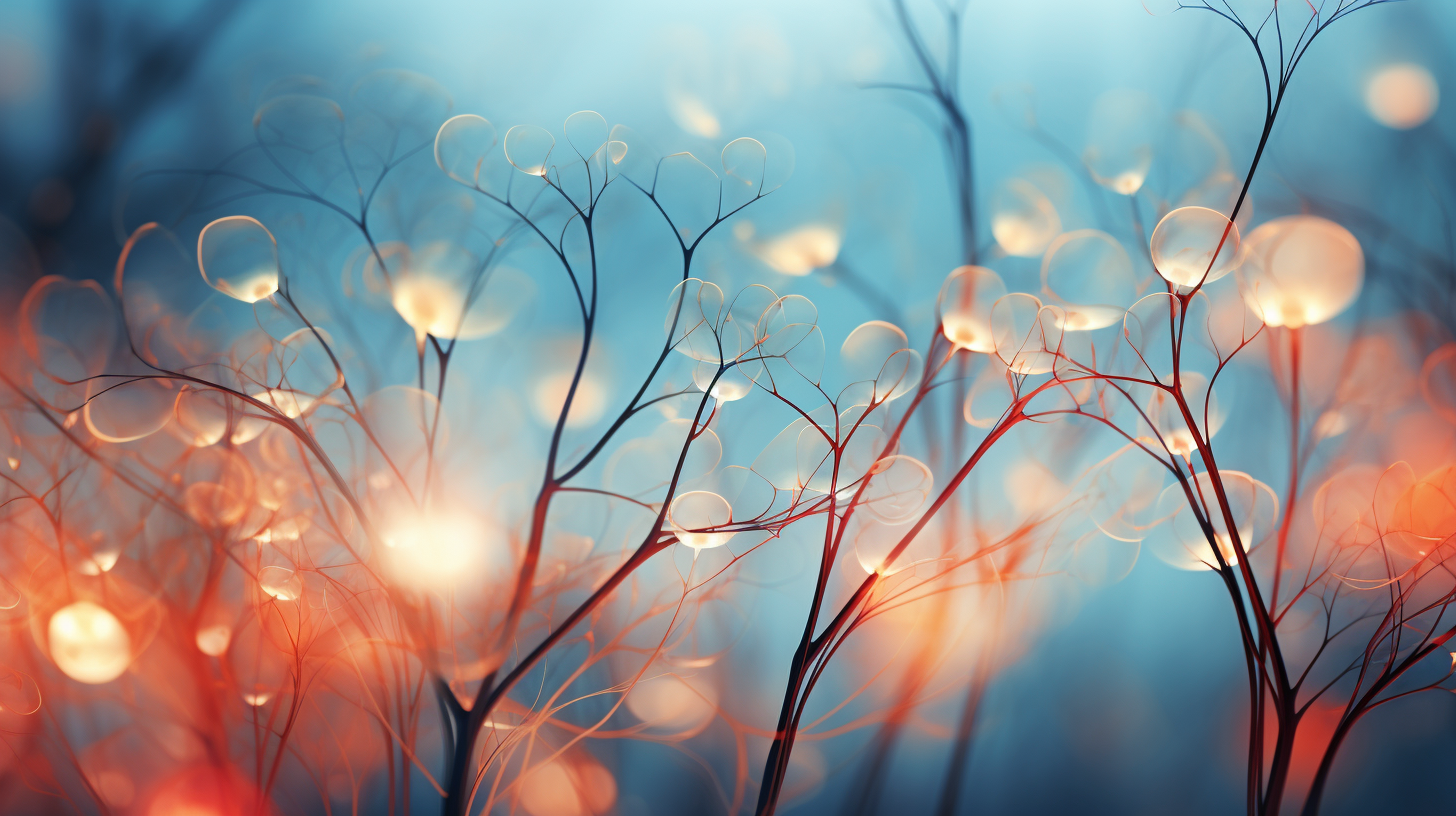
x=1129 y=699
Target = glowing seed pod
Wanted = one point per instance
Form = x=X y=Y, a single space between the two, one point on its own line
x=1300 y=270
x=238 y=257
x=695 y=516
x=281 y=583
x=88 y=643
x=1402 y=96
x=965 y=304
x=1193 y=245
x=1023 y=219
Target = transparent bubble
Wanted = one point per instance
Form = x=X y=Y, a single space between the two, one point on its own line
x=1023 y=219
x=1091 y=277
x=238 y=257
x=1123 y=493
x=696 y=516
x=124 y=411
x=879 y=352
x=88 y=643
x=1402 y=96
x=744 y=161
x=898 y=488
x=1300 y=270
x=965 y=304
x=1120 y=139
x=462 y=146
x=528 y=149
x=201 y=415
x=1194 y=245
x=689 y=193
x=587 y=133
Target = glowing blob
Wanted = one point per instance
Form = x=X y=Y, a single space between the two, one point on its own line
x=1402 y=96
x=668 y=703
x=1023 y=219
x=1301 y=270
x=1194 y=244
x=88 y=643
x=238 y=257
x=799 y=251
x=433 y=550
x=587 y=404
x=214 y=640
x=562 y=788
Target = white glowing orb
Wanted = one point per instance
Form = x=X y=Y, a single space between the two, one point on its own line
x=88 y=643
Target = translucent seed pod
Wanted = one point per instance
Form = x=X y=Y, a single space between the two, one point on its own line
x=528 y=149
x=965 y=303
x=1194 y=245
x=694 y=517
x=238 y=256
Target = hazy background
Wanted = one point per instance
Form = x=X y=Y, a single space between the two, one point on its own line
x=1130 y=703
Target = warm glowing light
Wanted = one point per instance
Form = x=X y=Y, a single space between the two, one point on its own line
x=671 y=704
x=587 y=405
x=1023 y=219
x=799 y=251
x=1301 y=270
x=693 y=115
x=560 y=788
x=433 y=550
x=214 y=640
x=1402 y=96
x=88 y=643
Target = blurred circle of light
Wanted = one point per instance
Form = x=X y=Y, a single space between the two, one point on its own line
x=88 y=643
x=1402 y=96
